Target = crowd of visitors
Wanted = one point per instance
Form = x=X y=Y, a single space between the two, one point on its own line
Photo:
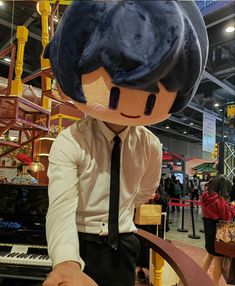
x=217 y=197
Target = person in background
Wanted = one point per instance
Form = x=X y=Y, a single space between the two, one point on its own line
x=215 y=207
x=176 y=190
x=195 y=188
x=160 y=198
x=187 y=185
x=232 y=193
x=167 y=185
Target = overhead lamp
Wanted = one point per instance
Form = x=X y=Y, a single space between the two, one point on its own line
x=1 y=3
x=185 y=132
x=7 y=60
x=230 y=29
x=36 y=166
x=167 y=127
x=191 y=123
x=55 y=18
x=216 y=104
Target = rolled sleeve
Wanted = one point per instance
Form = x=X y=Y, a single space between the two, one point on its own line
x=151 y=178
x=61 y=228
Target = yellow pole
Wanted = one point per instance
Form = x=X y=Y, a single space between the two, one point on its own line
x=158 y=263
x=45 y=9
x=22 y=37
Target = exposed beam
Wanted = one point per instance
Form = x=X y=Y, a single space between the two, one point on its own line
x=177 y=120
x=219 y=82
x=176 y=133
x=8 y=24
x=26 y=67
x=203 y=110
x=26 y=24
x=231 y=16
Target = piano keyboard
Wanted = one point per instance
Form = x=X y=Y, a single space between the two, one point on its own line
x=24 y=255
x=25 y=259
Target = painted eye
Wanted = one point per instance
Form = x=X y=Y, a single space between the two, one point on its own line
x=150 y=104
x=114 y=98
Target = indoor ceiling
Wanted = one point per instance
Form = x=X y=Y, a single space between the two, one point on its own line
x=216 y=88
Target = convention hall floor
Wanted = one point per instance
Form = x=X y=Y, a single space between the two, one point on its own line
x=193 y=247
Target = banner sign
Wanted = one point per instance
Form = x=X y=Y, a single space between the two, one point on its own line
x=209 y=133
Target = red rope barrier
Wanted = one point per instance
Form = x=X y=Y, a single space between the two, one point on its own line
x=189 y=201
x=178 y=204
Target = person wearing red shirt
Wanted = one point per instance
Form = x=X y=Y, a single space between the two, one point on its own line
x=215 y=207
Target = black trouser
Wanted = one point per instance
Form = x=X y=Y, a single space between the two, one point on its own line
x=195 y=194
x=107 y=266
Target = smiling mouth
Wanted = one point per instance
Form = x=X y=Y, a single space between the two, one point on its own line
x=129 y=116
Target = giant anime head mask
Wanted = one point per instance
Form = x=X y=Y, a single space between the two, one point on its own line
x=129 y=62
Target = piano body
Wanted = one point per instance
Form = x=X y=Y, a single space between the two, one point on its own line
x=23 y=250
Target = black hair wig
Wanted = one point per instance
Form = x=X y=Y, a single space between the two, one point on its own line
x=221 y=185
x=138 y=42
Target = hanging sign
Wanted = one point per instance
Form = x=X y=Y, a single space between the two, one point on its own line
x=209 y=133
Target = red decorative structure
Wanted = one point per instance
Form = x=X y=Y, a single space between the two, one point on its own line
x=17 y=113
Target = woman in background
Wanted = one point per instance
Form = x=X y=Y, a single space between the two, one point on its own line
x=215 y=207
x=232 y=193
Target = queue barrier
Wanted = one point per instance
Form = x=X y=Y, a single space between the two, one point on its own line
x=186 y=203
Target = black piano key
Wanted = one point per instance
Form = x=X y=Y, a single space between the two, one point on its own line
x=14 y=254
x=20 y=255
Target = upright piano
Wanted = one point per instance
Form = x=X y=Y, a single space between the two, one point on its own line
x=23 y=250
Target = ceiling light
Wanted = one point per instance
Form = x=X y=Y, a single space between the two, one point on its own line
x=167 y=127
x=191 y=123
x=216 y=104
x=225 y=136
x=185 y=132
x=55 y=18
x=230 y=29
x=1 y=3
x=7 y=60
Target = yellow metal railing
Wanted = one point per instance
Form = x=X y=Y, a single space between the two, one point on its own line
x=22 y=37
x=44 y=9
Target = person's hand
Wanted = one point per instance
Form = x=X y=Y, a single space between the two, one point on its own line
x=68 y=274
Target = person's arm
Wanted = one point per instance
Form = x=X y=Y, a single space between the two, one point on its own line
x=226 y=212
x=151 y=177
x=61 y=229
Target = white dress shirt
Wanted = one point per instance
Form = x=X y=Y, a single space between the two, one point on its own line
x=79 y=182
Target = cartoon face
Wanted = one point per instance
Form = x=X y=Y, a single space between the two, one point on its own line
x=124 y=106
x=129 y=62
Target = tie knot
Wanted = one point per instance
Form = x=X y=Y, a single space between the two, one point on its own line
x=116 y=139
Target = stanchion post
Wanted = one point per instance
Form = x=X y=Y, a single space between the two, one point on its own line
x=194 y=236
x=182 y=229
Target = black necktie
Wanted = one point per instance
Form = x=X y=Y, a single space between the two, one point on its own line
x=114 y=195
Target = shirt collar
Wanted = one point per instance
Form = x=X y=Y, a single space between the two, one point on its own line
x=109 y=134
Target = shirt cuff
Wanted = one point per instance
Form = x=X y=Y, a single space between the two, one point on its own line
x=66 y=253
